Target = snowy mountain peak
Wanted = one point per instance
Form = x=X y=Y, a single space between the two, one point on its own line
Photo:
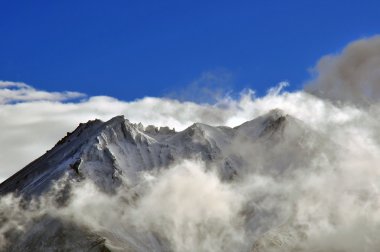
x=105 y=151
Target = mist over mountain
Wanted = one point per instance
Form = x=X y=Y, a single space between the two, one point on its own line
x=291 y=171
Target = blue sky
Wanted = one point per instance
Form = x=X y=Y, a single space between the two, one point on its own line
x=132 y=49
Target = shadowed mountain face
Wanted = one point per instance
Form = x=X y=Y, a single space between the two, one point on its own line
x=112 y=155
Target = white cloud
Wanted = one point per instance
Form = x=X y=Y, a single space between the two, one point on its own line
x=11 y=92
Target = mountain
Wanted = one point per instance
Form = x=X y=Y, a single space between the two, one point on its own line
x=104 y=151
x=113 y=155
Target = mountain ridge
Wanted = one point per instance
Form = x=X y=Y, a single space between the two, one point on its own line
x=112 y=155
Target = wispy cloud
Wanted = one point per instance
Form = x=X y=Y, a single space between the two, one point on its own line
x=11 y=92
x=209 y=87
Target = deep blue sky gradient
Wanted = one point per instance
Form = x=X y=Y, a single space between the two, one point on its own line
x=130 y=49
